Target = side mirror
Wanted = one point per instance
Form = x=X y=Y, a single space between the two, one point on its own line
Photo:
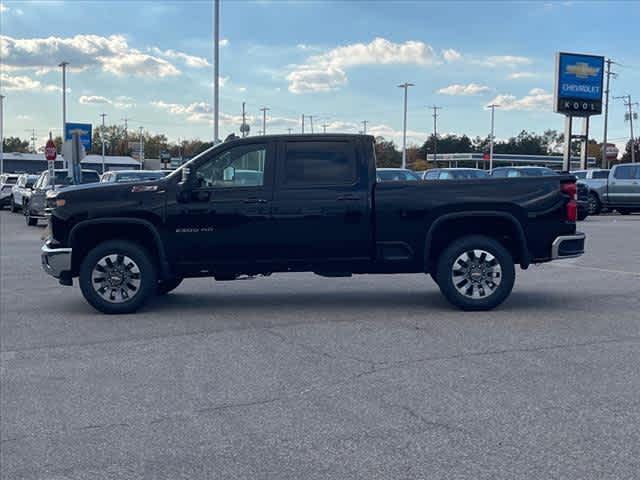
x=186 y=175
x=228 y=174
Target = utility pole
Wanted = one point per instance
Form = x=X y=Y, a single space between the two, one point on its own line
x=216 y=69
x=303 y=123
x=364 y=126
x=493 y=107
x=264 y=119
x=64 y=103
x=33 y=139
x=244 y=122
x=606 y=113
x=1 y=134
x=102 y=137
x=311 y=122
x=324 y=128
x=141 y=147
x=404 y=124
x=435 y=132
x=630 y=106
x=290 y=130
x=126 y=135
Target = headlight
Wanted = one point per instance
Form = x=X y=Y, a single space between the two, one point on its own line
x=53 y=200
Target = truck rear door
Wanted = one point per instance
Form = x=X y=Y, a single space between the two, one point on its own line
x=624 y=185
x=320 y=206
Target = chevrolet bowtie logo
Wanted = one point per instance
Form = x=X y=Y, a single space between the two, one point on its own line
x=582 y=70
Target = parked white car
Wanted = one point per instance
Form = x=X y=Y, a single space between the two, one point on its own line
x=7 y=181
x=21 y=191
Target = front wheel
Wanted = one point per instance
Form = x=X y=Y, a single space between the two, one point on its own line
x=14 y=207
x=595 y=207
x=117 y=277
x=476 y=273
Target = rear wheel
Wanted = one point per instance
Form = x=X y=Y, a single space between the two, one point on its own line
x=117 y=277
x=595 y=207
x=475 y=273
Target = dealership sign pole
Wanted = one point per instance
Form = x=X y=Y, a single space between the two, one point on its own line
x=577 y=93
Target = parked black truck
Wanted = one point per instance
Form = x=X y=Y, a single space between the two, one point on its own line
x=287 y=203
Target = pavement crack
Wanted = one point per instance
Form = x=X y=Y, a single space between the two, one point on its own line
x=227 y=406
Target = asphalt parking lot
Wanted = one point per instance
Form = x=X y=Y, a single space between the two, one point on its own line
x=302 y=377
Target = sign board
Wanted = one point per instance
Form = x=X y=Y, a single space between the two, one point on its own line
x=578 y=84
x=50 y=151
x=85 y=137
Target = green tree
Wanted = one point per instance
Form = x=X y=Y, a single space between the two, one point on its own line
x=387 y=156
x=15 y=144
x=626 y=157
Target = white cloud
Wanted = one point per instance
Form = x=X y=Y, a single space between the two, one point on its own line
x=195 y=112
x=24 y=117
x=3 y=8
x=464 y=90
x=24 y=83
x=521 y=75
x=510 y=61
x=451 y=55
x=112 y=54
x=120 y=102
x=189 y=60
x=224 y=42
x=390 y=133
x=326 y=72
x=536 y=99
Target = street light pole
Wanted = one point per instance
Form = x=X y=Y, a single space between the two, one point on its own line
x=493 y=107
x=404 y=124
x=64 y=103
x=216 y=69
x=264 y=119
x=102 y=136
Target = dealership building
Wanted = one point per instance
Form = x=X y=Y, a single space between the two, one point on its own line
x=481 y=160
x=35 y=163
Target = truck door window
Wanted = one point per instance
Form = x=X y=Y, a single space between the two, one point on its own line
x=601 y=174
x=241 y=166
x=319 y=163
x=626 y=172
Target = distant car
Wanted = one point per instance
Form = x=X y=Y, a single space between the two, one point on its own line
x=22 y=190
x=527 y=171
x=619 y=191
x=35 y=208
x=395 y=175
x=596 y=181
x=7 y=181
x=453 y=174
x=124 y=176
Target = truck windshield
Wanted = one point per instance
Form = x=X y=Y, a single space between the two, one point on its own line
x=62 y=178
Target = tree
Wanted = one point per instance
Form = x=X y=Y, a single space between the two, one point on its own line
x=15 y=144
x=626 y=157
x=446 y=144
x=386 y=154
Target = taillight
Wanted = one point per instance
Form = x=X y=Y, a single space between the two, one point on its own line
x=571 y=190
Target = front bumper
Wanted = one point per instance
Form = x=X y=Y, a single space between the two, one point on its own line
x=568 y=246
x=56 y=261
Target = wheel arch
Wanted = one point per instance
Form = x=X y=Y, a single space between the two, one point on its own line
x=496 y=224
x=88 y=233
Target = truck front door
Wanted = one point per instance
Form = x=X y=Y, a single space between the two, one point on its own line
x=223 y=217
x=624 y=185
x=321 y=202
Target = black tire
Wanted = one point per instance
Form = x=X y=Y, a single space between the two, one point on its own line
x=582 y=215
x=14 y=207
x=623 y=211
x=166 y=286
x=501 y=267
x=31 y=222
x=146 y=277
x=595 y=207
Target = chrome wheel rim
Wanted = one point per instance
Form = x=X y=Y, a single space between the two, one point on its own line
x=116 y=278
x=592 y=205
x=476 y=274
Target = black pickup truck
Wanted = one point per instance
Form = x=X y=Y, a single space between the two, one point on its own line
x=260 y=205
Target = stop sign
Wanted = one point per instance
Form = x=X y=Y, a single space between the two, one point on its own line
x=50 y=150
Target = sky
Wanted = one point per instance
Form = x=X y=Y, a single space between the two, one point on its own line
x=339 y=62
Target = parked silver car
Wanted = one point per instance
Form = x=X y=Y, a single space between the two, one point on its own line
x=21 y=191
x=619 y=190
x=7 y=181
